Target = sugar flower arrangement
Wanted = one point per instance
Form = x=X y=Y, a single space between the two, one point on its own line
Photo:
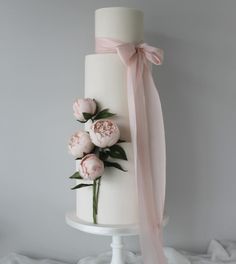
x=97 y=148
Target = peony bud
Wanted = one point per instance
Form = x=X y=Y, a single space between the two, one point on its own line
x=104 y=133
x=80 y=144
x=91 y=167
x=81 y=106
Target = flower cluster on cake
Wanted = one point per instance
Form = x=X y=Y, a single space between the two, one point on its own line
x=96 y=148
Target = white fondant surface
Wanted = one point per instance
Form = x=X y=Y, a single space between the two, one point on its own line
x=122 y=23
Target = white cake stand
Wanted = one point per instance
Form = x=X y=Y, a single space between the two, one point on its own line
x=118 y=255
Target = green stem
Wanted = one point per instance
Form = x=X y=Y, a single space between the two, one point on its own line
x=94 y=202
x=98 y=189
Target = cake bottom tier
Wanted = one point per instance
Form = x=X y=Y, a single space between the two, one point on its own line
x=117 y=204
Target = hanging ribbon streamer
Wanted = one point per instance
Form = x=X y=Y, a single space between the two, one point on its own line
x=148 y=138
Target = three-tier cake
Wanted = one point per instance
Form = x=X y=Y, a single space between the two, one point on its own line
x=105 y=80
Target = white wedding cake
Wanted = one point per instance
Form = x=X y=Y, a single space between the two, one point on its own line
x=105 y=80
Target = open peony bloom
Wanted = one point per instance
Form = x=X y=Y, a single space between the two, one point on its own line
x=81 y=106
x=104 y=133
x=91 y=167
x=80 y=144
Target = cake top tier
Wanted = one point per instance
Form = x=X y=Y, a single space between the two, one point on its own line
x=120 y=23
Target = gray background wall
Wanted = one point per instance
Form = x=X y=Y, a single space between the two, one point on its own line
x=42 y=49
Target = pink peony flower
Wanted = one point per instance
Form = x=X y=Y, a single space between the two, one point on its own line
x=81 y=106
x=80 y=144
x=91 y=167
x=104 y=133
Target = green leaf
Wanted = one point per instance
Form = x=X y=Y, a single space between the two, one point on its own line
x=87 y=116
x=81 y=121
x=103 y=114
x=76 y=176
x=81 y=185
x=117 y=152
x=121 y=141
x=113 y=164
x=103 y=155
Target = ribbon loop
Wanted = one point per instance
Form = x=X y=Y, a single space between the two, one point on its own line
x=154 y=55
x=148 y=140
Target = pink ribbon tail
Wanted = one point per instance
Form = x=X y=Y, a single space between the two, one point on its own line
x=148 y=138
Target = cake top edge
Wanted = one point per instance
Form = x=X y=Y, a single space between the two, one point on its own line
x=119 y=8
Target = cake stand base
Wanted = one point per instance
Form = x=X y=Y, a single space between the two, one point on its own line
x=118 y=255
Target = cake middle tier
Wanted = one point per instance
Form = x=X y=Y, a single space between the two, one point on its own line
x=105 y=81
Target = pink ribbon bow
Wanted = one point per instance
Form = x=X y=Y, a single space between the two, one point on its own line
x=148 y=138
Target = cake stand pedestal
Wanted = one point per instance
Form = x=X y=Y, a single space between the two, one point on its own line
x=118 y=255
